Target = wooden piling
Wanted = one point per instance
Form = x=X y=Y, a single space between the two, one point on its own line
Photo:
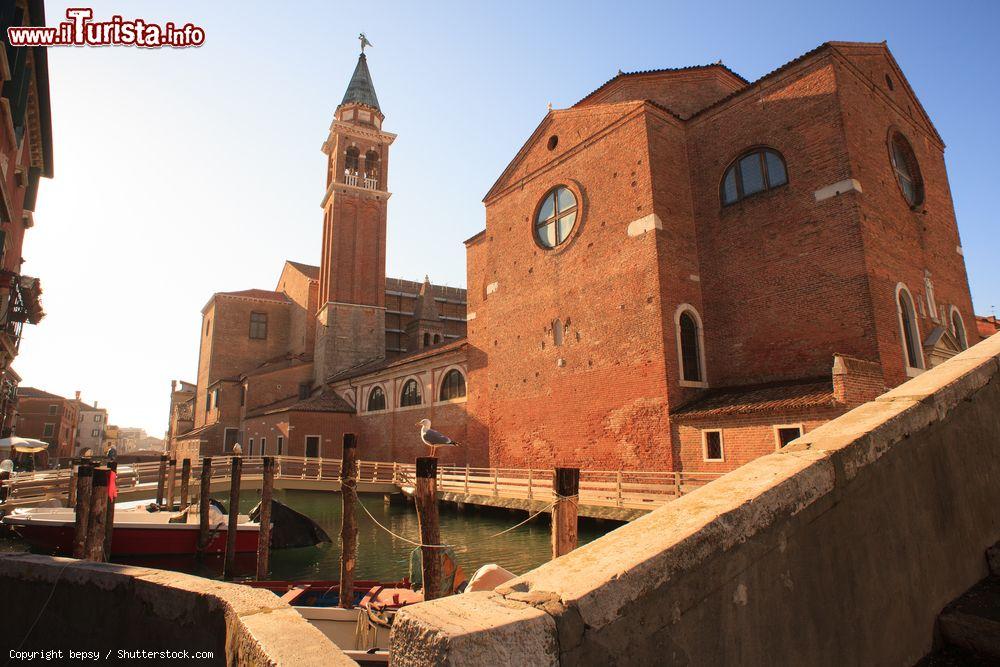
x=566 y=484
x=203 y=502
x=264 y=541
x=84 y=484
x=74 y=464
x=425 y=493
x=171 y=482
x=185 y=484
x=110 y=524
x=161 y=480
x=236 y=471
x=94 y=545
x=349 y=525
x=5 y=489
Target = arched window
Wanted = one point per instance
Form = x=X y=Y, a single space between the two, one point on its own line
x=908 y=328
x=453 y=385
x=690 y=340
x=758 y=170
x=958 y=328
x=556 y=217
x=411 y=394
x=437 y=338
x=376 y=399
x=371 y=165
x=904 y=163
x=351 y=160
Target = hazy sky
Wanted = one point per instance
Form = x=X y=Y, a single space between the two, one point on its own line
x=179 y=173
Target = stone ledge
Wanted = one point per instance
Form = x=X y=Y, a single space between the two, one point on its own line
x=259 y=628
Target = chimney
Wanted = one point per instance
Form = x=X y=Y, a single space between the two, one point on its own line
x=173 y=385
x=78 y=395
x=95 y=405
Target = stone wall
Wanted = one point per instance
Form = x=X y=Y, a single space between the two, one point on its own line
x=841 y=548
x=83 y=606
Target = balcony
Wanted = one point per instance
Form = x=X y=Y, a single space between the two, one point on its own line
x=361 y=180
x=19 y=303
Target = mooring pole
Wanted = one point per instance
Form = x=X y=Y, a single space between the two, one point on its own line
x=109 y=526
x=171 y=482
x=234 y=517
x=566 y=484
x=425 y=493
x=5 y=481
x=349 y=526
x=264 y=541
x=185 y=483
x=94 y=546
x=74 y=464
x=161 y=480
x=203 y=503
x=84 y=484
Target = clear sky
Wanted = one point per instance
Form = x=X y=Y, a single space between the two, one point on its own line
x=180 y=173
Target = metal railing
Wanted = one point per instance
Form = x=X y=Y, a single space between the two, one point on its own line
x=627 y=489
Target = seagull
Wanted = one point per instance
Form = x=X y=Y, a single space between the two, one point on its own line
x=434 y=439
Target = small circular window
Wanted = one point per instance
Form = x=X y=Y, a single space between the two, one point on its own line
x=556 y=217
x=904 y=163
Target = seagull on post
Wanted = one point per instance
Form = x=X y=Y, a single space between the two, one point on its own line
x=432 y=438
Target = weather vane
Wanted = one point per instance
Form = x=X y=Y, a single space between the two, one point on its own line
x=364 y=42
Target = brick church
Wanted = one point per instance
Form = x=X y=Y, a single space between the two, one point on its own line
x=682 y=271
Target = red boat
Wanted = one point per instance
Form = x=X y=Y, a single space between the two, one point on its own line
x=137 y=531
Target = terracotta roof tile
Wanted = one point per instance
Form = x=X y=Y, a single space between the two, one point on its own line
x=310 y=271
x=263 y=294
x=325 y=401
x=771 y=397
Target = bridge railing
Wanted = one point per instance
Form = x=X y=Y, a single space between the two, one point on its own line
x=633 y=489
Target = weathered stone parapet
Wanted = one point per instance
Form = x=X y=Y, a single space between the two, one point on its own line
x=839 y=549
x=103 y=606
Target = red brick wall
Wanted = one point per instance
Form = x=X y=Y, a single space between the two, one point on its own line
x=744 y=438
x=268 y=388
x=33 y=415
x=783 y=276
x=606 y=405
x=900 y=243
x=295 y=426
x=394 y=436
x=682 y=92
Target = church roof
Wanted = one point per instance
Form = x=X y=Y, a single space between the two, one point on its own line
x=262 y=294
x=770 y=397
x=361 y=90
x=308 y=270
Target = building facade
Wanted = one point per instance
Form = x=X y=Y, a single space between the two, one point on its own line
x=91 y=431
x=50 y=418
x=25 y=157
x=683 y=271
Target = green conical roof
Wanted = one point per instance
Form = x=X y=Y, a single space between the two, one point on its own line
x=361 y=90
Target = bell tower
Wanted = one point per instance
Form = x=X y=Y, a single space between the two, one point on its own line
x=350 y=328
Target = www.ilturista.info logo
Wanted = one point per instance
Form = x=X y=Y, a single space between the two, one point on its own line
x=81 y=30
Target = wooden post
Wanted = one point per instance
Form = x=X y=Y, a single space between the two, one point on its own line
x=84 y=484
x=530 y=484
x=74 y=464
x=425 y=493
x=618 y=484
x=203 y=502
x=264 y=542
x=496 y=483
x=566 y=485
x=185 y=483
x=5 y=489
x=161 y=480
x=94 y=545
x=109 y=526
x=171 y=482
x=349 y=526
x=234 y=517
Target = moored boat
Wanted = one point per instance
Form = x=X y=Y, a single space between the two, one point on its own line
x=137 y=531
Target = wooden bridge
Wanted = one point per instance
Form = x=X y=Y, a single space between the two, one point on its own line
x=621 y=495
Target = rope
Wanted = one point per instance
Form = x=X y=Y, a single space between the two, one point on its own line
x=545 y=509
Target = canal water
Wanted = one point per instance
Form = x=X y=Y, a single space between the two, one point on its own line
x=381 y=556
